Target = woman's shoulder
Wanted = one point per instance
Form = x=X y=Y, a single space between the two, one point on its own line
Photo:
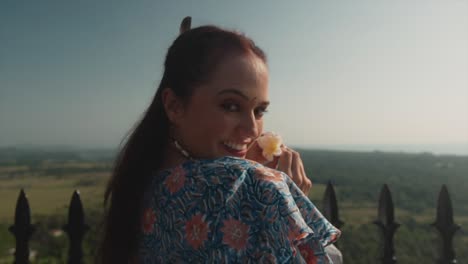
x=230 y=162
x=223 y=170
x=240 y=166
x=226 y=163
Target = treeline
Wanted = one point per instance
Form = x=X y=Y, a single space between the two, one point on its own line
x=35 y=155
x=414 y=179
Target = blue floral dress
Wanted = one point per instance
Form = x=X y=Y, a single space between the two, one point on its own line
x=230 y=210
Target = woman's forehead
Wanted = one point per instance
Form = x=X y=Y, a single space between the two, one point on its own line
x=245 y=73
x=246 y=64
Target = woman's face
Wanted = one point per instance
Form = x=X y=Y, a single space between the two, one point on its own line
x=224 y=116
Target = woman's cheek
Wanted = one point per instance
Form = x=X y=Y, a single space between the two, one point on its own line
x=230 y=121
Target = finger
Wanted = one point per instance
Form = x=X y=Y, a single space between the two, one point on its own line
x=284 y=162
x=307 y=186
x=304 y=173
x=272 y=164
x=302 y=181
x=307 y=181
x=297 y=176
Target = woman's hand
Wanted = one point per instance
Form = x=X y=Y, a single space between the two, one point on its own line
x=289 y=162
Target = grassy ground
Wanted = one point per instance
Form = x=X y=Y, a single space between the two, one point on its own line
x=49 y=194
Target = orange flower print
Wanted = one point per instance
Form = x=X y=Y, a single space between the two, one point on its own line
x=235 y=233
x=268 y=175
x=333 y=238
x=196 y=230
x=149 y=217
x=307 y=254
x=296 y=235
x=176 y=180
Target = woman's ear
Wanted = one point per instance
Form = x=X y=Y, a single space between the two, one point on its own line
x=172 y=105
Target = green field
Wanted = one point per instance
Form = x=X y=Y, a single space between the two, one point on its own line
x=51 y=195
x=50 y=178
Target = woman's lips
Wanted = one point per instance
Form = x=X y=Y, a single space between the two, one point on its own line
x=235 y=152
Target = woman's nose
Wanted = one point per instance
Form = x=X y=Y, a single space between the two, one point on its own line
x=250 y=126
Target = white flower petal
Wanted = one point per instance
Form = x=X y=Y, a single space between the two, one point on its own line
x=277 y=152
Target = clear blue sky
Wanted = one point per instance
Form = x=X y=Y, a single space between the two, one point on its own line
x=341 y=73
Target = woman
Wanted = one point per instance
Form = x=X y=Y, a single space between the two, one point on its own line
x=182 y=189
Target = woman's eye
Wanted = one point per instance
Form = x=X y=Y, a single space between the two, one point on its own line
x=231 y=107
x=259 y=112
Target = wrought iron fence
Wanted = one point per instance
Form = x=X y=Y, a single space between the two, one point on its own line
x=76 y=227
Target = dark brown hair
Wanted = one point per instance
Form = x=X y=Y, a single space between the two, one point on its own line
x=190 y=60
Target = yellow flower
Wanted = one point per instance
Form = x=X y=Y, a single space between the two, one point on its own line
x=270 y=143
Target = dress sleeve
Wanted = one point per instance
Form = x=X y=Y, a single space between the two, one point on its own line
x=324 y=231
x=306 y=230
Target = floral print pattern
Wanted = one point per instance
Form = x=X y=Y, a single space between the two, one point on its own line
x=235 y=233
x=196 y=230
x=268 y=175
x=230 y=210
x=149 y=218
x=176 y=180
x=307 y=254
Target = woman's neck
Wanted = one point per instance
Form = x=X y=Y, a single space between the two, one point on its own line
x=172 y=157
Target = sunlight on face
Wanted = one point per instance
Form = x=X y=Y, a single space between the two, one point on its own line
x=225 y=115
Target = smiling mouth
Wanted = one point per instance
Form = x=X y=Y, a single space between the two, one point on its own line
x=235 y=146
x=235 y=149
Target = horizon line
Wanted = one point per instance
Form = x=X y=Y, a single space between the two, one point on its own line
x=460 y=148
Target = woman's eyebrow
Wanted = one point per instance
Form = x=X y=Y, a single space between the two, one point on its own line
x=234 y=91
x=241 y=94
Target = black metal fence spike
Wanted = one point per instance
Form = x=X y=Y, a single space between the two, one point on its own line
x=386 y=222
x=76 y=226
x=76 y=229
x=386 y=209
x=330 y=206
x=445 y=225
x=22 y=229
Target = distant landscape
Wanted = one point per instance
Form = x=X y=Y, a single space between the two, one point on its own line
x=50 y=175
x=459 y=148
